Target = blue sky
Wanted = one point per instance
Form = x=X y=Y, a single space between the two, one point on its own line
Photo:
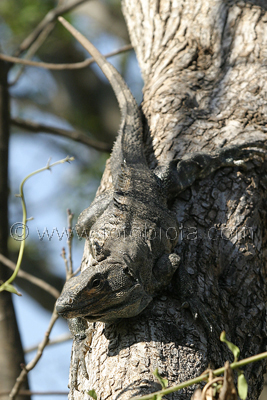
x=51 y=372
x=28 y=153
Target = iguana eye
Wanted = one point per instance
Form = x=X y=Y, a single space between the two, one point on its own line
x=96 y=283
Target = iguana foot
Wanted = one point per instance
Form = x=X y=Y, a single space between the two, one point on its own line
x=82 y=338
x=163 y=270
x=180 y=174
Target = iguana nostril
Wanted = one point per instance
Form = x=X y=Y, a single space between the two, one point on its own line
x=60 y=308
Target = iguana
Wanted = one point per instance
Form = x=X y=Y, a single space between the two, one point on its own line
x=132 y=230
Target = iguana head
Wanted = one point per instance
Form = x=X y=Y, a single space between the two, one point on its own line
x=121 y=283
x=105 y=293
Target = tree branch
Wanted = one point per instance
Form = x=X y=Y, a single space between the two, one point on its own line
x=31 y=392
x=33 y=279
x=50 y=17
x=59 y=339
x=74 y=135
x=33 y=49
x=52 y=66
x=25 y=369
x=35 y=360
x=37 y=44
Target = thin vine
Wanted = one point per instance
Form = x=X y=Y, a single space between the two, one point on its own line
x=8 y=284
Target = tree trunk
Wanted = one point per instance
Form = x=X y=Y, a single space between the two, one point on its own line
x=11 y=353
x=204 y=69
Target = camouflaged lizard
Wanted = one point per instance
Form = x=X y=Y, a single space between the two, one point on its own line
x=131 y=230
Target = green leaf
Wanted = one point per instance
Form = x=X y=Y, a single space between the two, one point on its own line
x=242 y=387
x=92 y=393
x=162 y=381
x=10 y=288
x=234 y=349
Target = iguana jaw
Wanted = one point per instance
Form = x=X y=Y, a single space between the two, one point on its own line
x=124 y=304
x=106 y=293
x=125 y=310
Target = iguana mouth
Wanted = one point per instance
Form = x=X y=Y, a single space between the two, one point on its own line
x=127 y=304
x=93 y=319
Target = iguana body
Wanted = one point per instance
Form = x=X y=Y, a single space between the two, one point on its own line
x=128 y=228
x=131 y=230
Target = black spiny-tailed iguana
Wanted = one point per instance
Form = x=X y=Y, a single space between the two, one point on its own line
x=131 y=230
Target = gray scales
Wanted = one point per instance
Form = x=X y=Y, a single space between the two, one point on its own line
x=132 y=230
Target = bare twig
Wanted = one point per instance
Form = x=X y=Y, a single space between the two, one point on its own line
x=202 y=377
x=209 y=384
x=36 y=281
x=77 y=271
x=69 y=242
x=45 y=341
x=60 y=339
x=37 y=44
x=68 y=262
x=35 y=360
x=7 y=285
x=74 y=135
x=50 y=17
x=63 y=255
x=33 y=49
x=52 y=66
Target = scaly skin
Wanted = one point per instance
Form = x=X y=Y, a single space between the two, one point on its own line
x=131 y=231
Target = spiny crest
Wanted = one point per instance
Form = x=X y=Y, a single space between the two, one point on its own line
x=122 y=187
x=129 y=144
x=124 y=181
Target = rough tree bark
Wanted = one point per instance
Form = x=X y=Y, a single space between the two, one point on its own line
x=204 y=69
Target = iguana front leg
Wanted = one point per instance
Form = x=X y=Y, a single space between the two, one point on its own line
x=90 y=215
x=164 y=270
x=180 y=174
x=82 y=333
